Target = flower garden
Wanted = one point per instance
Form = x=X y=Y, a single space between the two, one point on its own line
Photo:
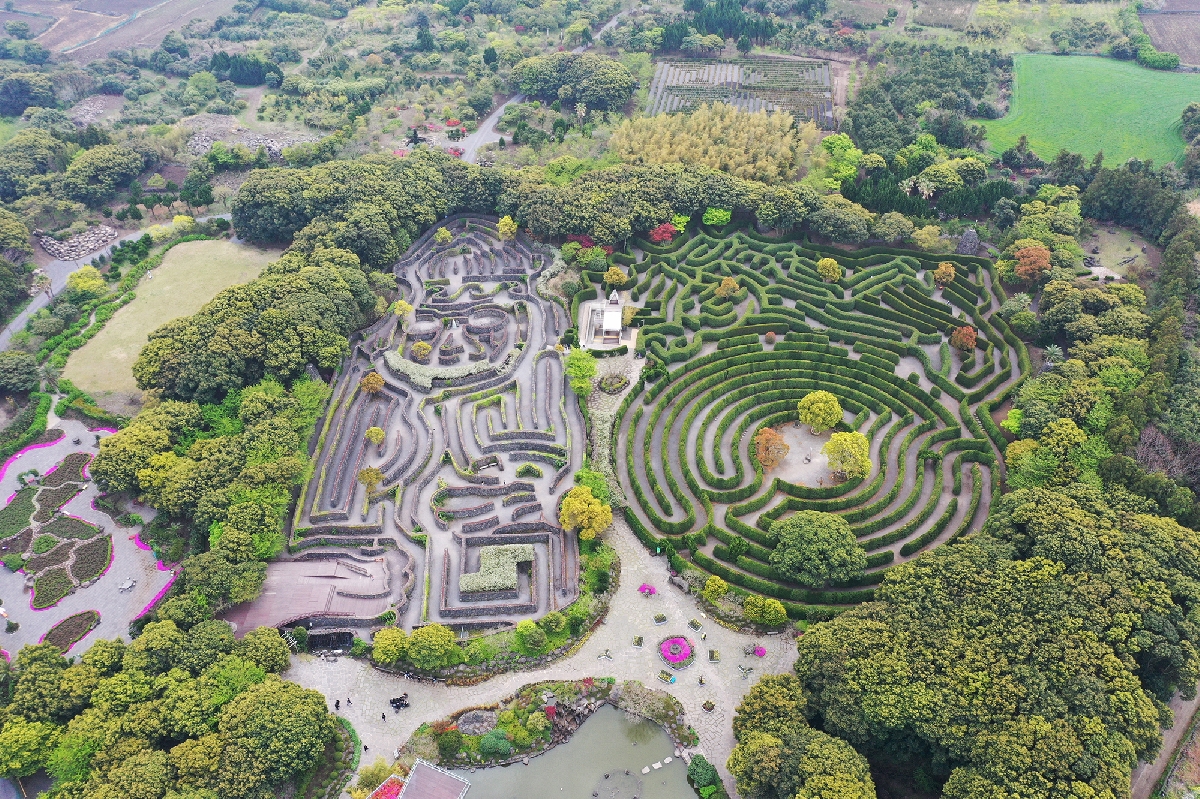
x=677 y=651
x=721 y=368
x=72 y=629
x=56 y=552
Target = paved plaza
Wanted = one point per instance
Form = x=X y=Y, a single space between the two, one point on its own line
x=630 y=615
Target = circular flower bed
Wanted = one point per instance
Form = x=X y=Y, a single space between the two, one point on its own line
x=613 y=384
x=677 y=651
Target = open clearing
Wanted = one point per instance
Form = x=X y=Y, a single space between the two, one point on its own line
x=190 y=275
x=1090 y=104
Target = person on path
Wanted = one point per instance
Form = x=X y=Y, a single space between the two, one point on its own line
x=337 y=704
x=348 y=702
x=383 y=716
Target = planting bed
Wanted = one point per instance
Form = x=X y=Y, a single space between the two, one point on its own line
x=70 y=470
x=70 y=527
x=91 y=559
x=72 y=629
x=875 y=340
x=51 y=587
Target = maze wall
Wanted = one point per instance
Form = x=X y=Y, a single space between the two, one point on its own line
x=877 y=340
x=479 y=439
x=801 y=88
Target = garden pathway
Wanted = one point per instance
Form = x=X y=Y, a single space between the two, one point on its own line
x=117 y=608
x=631 y=614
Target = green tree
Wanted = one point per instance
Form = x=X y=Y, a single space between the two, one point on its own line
x=96 y=174
x=18 y=372
x=715 y=588
x=431 y=647
x=25 y=746
x=595 y=80
x=814 y=547
x=272 y=732
x=390 y=645
x=849 y=454
x=531 y=636
x=266 y=648
x=820 y=410
x=86 y=283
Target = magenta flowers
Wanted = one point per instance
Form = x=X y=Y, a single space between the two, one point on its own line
x=677 y=652
x=760 y=652
x=647 y=589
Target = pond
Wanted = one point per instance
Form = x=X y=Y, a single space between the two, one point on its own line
x=607 y=743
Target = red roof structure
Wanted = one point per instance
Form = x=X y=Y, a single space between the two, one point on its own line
x=427 y=781
x=343 y=587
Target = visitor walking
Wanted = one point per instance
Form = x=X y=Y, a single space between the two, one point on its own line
x=337 y=704
x=348 y=702
x=383 y=716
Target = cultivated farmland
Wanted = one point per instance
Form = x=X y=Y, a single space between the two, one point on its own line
x=798 y=86
x=944 y=13
x=1090 y=104
x=1177 y=33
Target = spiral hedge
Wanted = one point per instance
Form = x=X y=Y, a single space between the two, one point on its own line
x=877 y=339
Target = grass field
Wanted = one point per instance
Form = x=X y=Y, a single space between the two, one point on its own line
x=190 y=275
x=1089 y=104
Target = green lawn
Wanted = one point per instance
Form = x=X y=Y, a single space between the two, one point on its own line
x=191 y=274
x=1088 y=104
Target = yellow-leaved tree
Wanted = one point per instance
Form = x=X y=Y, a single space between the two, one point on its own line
x=507 y=228
x=849 y=454
x=754 y=145
x=820 y=410
x=581 y=510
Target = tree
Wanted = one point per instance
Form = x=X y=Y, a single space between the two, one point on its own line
x=371 y=478
x=22 y=90
x=615 y=277
x=701 y=772
x=371 y=383
x=581 y=369
x=727 y=288
x=96 y=174
x=390 y=645
x=820 y=410
x=717 y=217
x=402 y=309
x=582 y=511
x=14 y=238
x=714 y=589
x=1033 y=263
x=814 y=548
x=764 y=610
x=829 y=270
x=18 y=372
x=443 y=236
x=421 y=350
x=274 y=730
x=944 y=274
x=744 y=45
x=595 y=80
x=770 y=448
x=86 y=283
x=531 y=636
x=266 y=648
x=375 y=435
x=25 y=746
x=839 y=219
x=431 y=647
x=963 y=338
x=892 y=226
x=929 y=238
x=506 y=228
x=849 y=454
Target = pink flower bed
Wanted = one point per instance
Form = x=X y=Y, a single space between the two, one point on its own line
x=389 y=790
x=759 y=652
x=677 y=651
x=647 y=589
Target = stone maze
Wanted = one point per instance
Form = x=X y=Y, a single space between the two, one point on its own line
x=479 y=439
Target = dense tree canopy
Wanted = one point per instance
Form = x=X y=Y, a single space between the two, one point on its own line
x=299 y=311
x=1032 y=660
x=177 y=712
x=814 y=547
x=595 y=80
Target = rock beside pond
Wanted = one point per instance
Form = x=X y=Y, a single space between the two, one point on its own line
x=477 y=722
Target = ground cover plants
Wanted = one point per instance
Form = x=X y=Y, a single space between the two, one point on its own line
x=694 y=482
x=72 y=629
x=1088 y=105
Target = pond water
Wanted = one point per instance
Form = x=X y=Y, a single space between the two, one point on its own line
x=607 y=743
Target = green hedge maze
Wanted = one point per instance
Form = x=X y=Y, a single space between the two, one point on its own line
x=683 y=443
x=473 y=390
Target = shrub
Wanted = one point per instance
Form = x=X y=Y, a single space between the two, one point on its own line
x=715 y=588
x=963 y=338
x=717 y=217
x=495 y=745
x=829 y=270
x=497 y=568
x=553 y=622
x=43 y=544
x=701 y=772
x=531 y=636
x=528 y=470
x=450 y=742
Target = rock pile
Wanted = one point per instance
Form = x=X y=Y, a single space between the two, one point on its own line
x=80 y=244
x=969 y=243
